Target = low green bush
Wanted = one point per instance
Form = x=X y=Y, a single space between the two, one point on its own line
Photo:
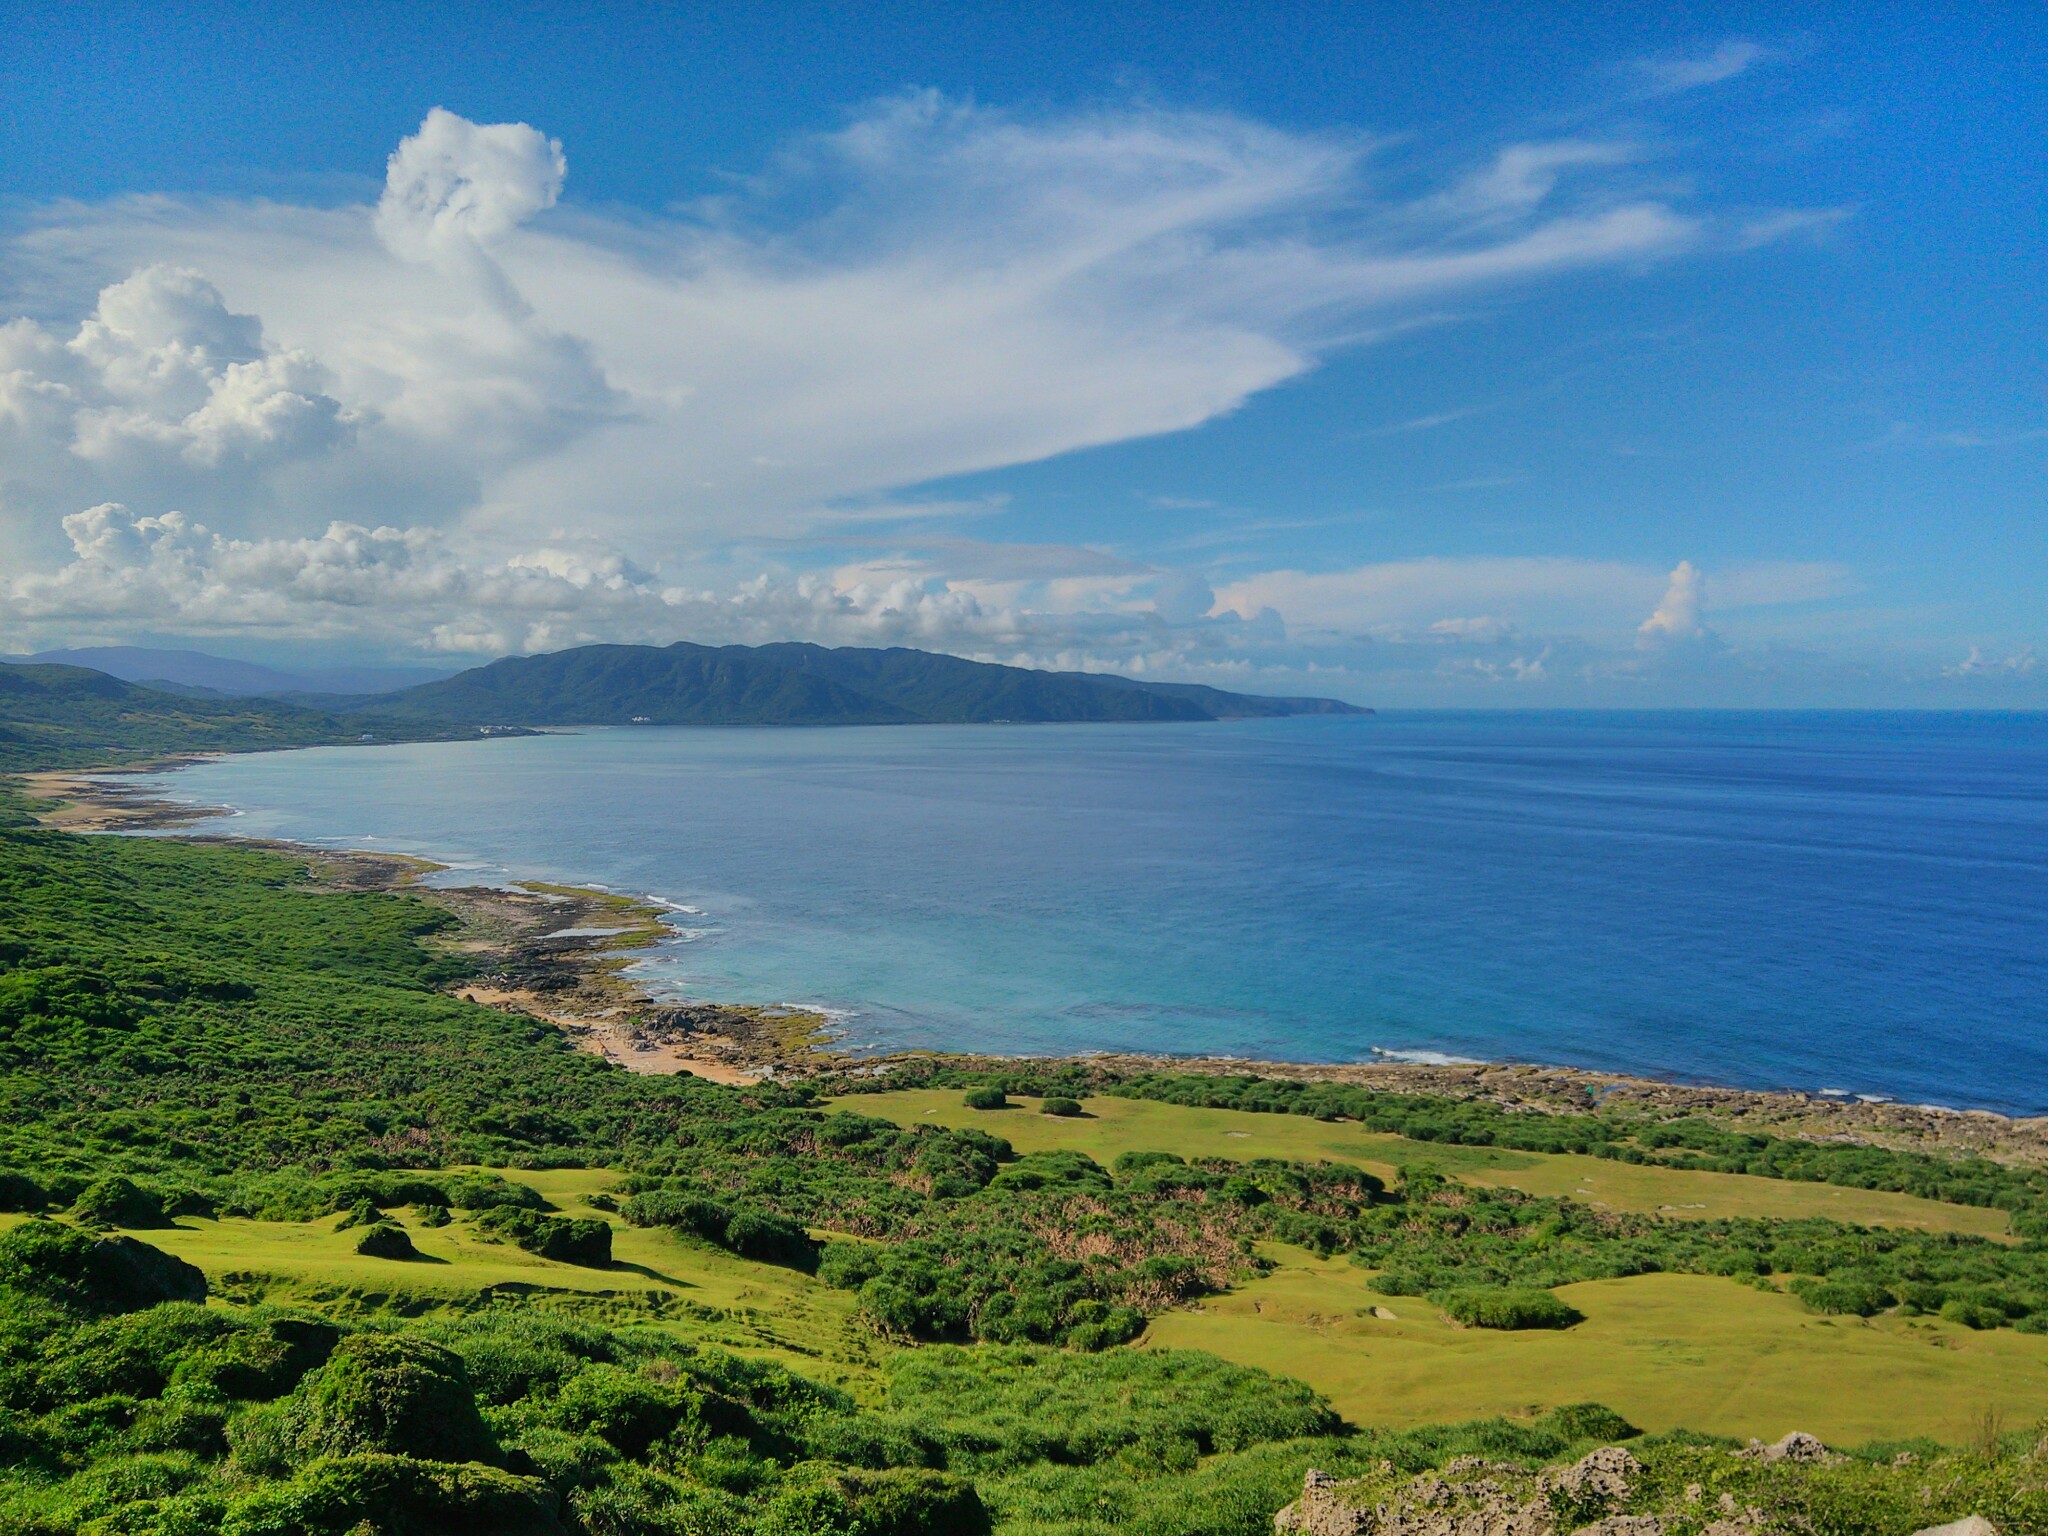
x=362 y=1213
x=1972 y=1314
x=1065 y=1108
x=385 y=1240
x=118 y=1201
x=486 y=1191
x=987 y=1098
x=746 y=1230
x=93 y=1276
x=565 y=1239
x=1490 y=1307
x=1842 y=1297
x=400 y=1495
x=387 y=1393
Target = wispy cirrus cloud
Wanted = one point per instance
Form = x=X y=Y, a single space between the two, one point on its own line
x=1671 y=74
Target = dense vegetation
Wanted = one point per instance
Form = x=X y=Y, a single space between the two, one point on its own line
x=126 y=1411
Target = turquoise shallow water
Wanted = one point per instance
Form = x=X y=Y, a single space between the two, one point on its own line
x=1854 y=901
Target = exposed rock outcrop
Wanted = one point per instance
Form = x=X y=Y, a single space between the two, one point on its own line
x=1474 y=1497
x=1607 y=1492
x=1797 y=1447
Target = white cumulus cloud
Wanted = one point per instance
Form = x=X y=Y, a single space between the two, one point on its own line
x=160 y=378
x=1679 y=617
x=456 y=183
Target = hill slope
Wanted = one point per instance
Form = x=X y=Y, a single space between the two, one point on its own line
x=195 y=671
x=800 y=684
x=72 y=717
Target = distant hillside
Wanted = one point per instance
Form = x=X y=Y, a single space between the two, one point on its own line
x=195 y=671
x=73 y=717
x=1217 y=704
x=798 y=684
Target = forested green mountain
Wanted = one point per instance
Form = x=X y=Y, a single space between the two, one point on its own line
x=799 y=684
x=681 y=684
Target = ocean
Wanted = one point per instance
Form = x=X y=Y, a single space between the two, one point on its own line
x=1854 y=902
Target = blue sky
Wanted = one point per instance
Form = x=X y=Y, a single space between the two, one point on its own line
x=1425 y=355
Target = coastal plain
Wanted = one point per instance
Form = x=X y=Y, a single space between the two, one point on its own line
x=1664 y=1350
x=1113 y=1126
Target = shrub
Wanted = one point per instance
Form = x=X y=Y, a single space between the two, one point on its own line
x=745 y=1230
x=363 y=1213
x=1052 y=1170
x=627 y=1411
x=1971 y=1314
x=987 y=1098
x=93 y=1275
x=380 y=1392
x=483 y=1191
x=385 y=1240
x=565 y=1239
x=1128 y=1164
x=118 y=1201
x=1066 y=1109
x=257 y=1363
x=397 y=1494
x=19 y=1192
x=771 y=1239
x=1588 y=1421
x=911 y=1501
x=997 y=1409
x=1496 y=1307
x=1844 y=1298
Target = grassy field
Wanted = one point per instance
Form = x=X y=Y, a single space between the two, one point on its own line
x=686 y=1288
x=1665 y=1350
x=1131 y=1125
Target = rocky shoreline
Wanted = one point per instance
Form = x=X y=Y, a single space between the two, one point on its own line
x=563 y=954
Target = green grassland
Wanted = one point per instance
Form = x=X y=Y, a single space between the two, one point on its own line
x=1665 y=1351
x=690 y=1290
x=1113 y=1126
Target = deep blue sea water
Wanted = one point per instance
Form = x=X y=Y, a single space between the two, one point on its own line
x=1820 y=901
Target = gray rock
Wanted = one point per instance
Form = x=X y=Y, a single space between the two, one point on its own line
x=1794 y=1447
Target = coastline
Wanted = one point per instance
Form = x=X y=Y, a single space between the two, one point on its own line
x=554 y=953
x=562 y=955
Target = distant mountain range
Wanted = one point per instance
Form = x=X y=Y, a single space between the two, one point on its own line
x=60 y=715
x=797 y=684
x=187 y=671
